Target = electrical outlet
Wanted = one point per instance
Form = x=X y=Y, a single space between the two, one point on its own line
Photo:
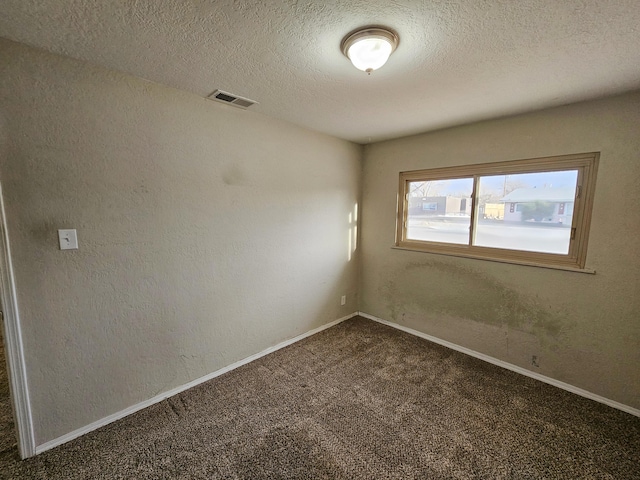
x=534 y=361
x=343 y=300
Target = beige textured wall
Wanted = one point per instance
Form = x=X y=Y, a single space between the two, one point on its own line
x=585 y=329
x=207 y=233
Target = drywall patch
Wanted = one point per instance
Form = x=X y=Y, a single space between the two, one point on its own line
x=235 y=175
x=457 y=290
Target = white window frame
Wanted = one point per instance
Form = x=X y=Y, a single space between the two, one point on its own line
x=585 y=163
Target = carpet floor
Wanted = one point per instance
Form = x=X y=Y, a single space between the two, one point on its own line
x=8 y=444
x=357 y=401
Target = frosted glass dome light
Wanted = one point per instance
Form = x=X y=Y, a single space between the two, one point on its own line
x=369 y=48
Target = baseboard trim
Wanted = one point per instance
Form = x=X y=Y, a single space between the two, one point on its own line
x=170 y=393
x=508 y=366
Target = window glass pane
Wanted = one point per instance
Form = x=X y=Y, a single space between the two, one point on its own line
x=529 y=211
x=440 y=210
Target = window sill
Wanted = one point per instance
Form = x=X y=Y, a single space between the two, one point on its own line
x=566 y=268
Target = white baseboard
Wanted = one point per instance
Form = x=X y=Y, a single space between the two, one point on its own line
x=158 y=398
x=509 y=366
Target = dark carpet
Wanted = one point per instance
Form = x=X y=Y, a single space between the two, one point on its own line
x=357 y=401
x=8 y=444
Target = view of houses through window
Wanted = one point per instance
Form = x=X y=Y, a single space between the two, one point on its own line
x=531 y=211
x=535 y=211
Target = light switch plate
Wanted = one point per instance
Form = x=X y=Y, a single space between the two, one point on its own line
x=68 y=239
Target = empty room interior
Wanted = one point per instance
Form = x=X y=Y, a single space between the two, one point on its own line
x=233 y=248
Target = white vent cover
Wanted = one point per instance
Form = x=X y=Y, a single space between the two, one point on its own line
x=231 y=99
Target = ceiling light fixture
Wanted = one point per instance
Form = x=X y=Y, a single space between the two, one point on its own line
x=369 y=48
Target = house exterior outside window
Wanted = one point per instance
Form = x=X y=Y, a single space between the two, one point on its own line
x=545 y=205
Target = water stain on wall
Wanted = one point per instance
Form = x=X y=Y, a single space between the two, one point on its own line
x=452 y=289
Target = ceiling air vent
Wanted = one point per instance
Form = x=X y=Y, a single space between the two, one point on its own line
x=231 y=99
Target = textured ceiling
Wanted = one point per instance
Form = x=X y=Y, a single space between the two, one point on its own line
x=458 y=60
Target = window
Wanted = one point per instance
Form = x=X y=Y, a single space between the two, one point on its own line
x=533 y=212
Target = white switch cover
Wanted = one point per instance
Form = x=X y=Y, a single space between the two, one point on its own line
x=68 y=239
